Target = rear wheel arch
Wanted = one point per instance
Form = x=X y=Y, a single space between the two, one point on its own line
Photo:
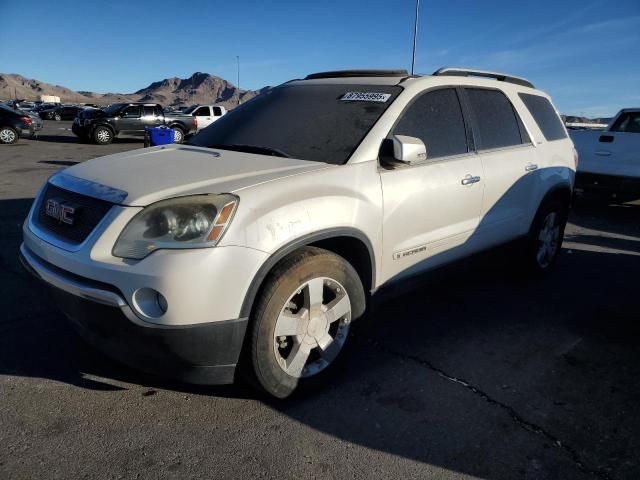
x=349 y=243
x=561 y=193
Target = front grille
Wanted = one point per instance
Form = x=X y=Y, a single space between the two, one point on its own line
x=88 y=212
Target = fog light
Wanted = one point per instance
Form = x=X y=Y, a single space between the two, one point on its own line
x=162 y=302
x=150 y=302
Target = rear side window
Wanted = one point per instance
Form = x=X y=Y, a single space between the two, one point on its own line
x=203 y=112
x=148 y=110
x=545 y=116
x=497 y=123
x=627 y=122
x=217 y=111
x=436 y=119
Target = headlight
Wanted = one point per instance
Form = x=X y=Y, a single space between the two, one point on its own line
x=185 y=222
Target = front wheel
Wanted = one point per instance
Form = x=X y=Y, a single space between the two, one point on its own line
x=57 y=117
x=301 y=322
x=102 y=136
x=8 y=135
x=545 y=236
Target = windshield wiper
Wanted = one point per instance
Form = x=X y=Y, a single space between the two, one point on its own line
x=274 y=152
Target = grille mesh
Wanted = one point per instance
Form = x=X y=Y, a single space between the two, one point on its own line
x=89 y=212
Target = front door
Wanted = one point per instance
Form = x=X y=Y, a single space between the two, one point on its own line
x=431 y=209
x=129 y=121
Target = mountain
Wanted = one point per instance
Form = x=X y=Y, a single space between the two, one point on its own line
x=199 y=88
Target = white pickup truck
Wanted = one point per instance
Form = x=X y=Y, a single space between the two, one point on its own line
x=206 y=114
x=610 y=159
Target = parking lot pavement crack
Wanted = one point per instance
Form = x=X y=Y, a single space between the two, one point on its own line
x=517 y=418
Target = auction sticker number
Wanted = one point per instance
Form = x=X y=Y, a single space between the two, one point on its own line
x=365 y=97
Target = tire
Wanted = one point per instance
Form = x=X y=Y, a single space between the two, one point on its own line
x=544 y=241
x=178 y=135
x=293 y=340
x=8 y=135
x=57 y=117
x=102 y=136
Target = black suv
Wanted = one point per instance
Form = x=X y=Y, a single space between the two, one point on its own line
x=102 y=126
x=14 y=124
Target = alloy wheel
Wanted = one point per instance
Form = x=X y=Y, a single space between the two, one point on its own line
x=7 y=135
x=312 y=327
x=548 y=240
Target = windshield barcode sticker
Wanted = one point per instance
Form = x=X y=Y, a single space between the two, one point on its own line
x=365 y=97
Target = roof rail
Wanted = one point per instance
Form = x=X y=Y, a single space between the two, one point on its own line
x=358 y=73
x=467 y=72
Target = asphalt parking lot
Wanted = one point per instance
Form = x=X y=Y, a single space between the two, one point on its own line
x=474 y=372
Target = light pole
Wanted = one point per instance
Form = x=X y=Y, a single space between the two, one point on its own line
x=238 y=59
x=415 y=38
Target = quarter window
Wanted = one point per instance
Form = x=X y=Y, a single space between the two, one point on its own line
x=498 y=126
x=436 y=119
x=545 y=116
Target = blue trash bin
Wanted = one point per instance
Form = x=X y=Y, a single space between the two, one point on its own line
x=161 y=136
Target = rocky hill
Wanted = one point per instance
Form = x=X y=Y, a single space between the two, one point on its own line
x=199 y=88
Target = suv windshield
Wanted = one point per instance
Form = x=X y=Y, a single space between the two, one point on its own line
x=113 y=109
x=309 y=122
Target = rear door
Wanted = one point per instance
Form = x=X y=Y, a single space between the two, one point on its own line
x=431 y=209
x=150 y=117
x=509 y=164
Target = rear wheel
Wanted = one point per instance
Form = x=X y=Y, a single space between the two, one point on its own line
x=301 y=322
x=8 y=135
x=102 y=136
x=57 y=117
x=178 y=135
x=545 y=236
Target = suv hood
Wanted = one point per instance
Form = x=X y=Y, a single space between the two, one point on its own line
x=141 y=177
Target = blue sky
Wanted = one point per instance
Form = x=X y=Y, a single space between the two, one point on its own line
x=586 y=54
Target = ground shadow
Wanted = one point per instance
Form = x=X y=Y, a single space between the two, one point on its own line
x=473 y=369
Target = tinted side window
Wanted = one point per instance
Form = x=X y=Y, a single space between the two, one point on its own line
x=496 y=119
x=628 y=122
x=545 y=116
x=217 y=111
x=157 y=111
x=203 y=112
x=148 y=110
x=436 y=119
x=131 y=112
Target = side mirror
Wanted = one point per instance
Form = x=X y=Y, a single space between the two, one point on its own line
x=409 y=150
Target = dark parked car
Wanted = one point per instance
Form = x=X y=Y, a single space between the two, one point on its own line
x=102 y=126
x=14 y=124
x=62 y=112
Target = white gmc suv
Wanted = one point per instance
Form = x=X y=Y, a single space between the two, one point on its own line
x=260 y=242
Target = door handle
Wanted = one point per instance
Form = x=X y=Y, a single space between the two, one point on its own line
x=603 y=153
x=531 y=167
x=468 y=180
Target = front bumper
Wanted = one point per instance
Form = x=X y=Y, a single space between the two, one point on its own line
x=205 y=353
